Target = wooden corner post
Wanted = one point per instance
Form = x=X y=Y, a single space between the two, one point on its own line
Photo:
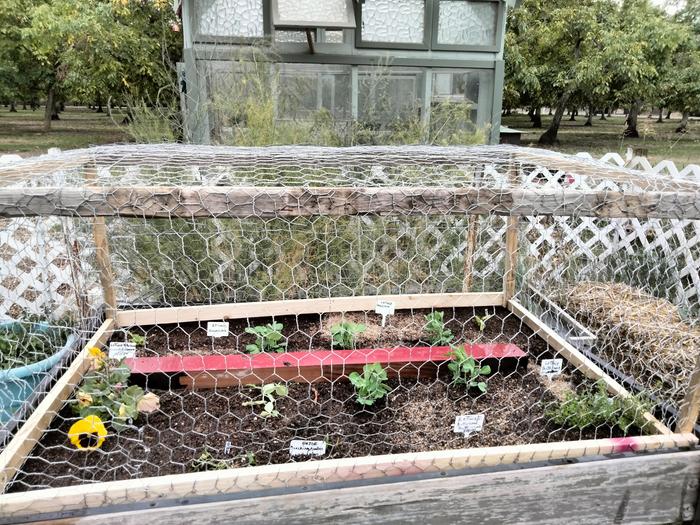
x=511 y=245
x=102 y=253
x=690 y=406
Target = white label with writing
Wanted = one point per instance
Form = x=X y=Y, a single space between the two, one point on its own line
x=228 y=447
x=299 y=447
x=119 y=350
x=217 y=329
x=385 y=308
x=469 y=423
x=551 y=367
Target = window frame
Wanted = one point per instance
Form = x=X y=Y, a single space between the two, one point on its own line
x=300 y=24
x=495 y=47
x=372 y=44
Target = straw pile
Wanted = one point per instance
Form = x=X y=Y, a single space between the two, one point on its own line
x=641 y=335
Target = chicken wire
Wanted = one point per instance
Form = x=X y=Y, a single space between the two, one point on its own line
x=603 y=255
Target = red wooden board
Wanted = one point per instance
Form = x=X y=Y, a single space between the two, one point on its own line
x=191 y=364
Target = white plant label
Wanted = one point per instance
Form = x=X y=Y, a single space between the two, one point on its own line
x=469 y=423
x=385 y=308
x=217 y=329
x=299 y=447
x=551 y=367
x=119 y=350
x=228 y=447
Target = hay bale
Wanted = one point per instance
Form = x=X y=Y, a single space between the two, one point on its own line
x=641 y=335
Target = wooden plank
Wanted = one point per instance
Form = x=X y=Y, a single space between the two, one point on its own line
x=104 y=265
x=511 y=259
x=219 y=371
x=152 y=316
x=657 y=488
x=15 y=453
x=314 y=473
x=690 y=406
x=575 y=357
x=273 y=202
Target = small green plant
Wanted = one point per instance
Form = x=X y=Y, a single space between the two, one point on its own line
x=371 y=385
x=268 y=338
x=138 y=340
x=435 y=328
x=592 y=407
x=344 y=334
x=270 y=394
x=481 y=321
x=465 y=370
x=105 y=393
x=206 y=461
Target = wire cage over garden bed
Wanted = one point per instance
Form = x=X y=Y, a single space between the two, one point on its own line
x=259 y=318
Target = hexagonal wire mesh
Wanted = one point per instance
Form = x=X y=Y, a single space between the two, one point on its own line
x=498 y=266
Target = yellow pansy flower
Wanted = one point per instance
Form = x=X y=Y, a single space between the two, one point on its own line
x=96 y=356
x=88 y=433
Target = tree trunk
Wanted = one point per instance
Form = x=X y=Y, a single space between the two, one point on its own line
x=572 y=118
x=99 y=104
x=13 y=107
x=49 y=108
x=549 y=137
x=55 y=109
x=683 y=126
x=661 y=116
x=631 y=129
x=591 y=112
x=531 y=113
x=537 y=118
x=508 y=112
x=602 y=113
x=24 y=106
x=668 y=115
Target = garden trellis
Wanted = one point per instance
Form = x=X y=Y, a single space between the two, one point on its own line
x=238 y=295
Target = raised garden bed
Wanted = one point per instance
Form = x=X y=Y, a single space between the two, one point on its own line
x=206 y=420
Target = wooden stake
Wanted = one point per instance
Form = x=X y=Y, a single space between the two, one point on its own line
x=102 y=253
x=690 y=406
x=472 y=236
x=511 y=258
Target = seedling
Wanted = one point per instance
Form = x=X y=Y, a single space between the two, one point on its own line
x=371 y=385
x=344 y=334
x=206 y=461
x=465 y=370
x=481 y=321
x=270 y=394
x=435 y=328
x=138 y=340
x=268 y=338
x=593 y=407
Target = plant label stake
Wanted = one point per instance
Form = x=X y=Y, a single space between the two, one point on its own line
x=551 y=367
x=228 y=447
x=217 y=329
x=299 y=447
x=385 y=308
x=121 y=350
x=468 y=424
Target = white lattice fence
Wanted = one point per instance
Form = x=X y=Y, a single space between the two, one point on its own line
x=558 y=245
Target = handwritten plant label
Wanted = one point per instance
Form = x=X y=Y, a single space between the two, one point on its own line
x=299 y=447
x=121 y=350
x=385 y=308
x=551 y=367
x=217 y=329
x=470 y=423
x=228 y=447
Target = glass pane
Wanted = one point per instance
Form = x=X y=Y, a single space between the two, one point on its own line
x=315 y=13
x=393 y=21
x=334 y=37
x=305 y=89
x=229 y=18
x=388 y=96
x=293 y=36
x=467 y=23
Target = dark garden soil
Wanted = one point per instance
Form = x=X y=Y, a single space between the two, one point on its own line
x=416 y=416
x=312 y=332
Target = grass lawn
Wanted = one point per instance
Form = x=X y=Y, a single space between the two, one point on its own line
x=606 y=135
x=22 y=132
